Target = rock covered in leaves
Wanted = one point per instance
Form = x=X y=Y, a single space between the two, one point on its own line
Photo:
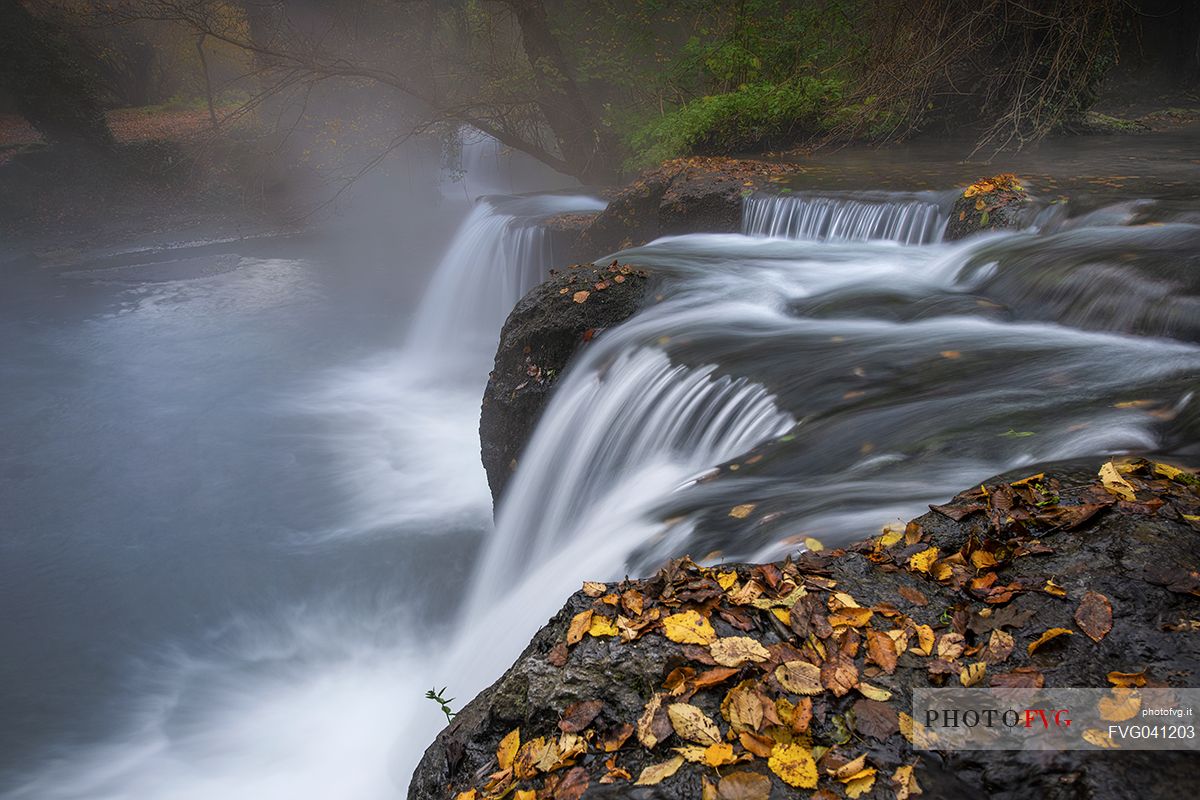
x=685 y=195
x=795 y=678
x=539 y=337
x=989 y=204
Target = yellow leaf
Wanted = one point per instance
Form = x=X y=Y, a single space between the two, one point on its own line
x=602 y=626
x=646 y=732
x=873 y=692
x=794 y=764
x=922 y=561
x=1127 y=680
x=905 y=782
x=783 y=615
x=1053 y=588
x=733 y=651
x=507 y=751
x=579 y=626
x=1098 y=738
x=925 y=639
x=860 y=785
x=741 y=511
x=813 y=544
x=1115 y=483
x=906 y=727
x=594 y=588
x=890 y=536
x=688 y=627
x=972 y=673
x=1053 y=633
x=1167 y=471
x=470 y=794
x=854 y=617
x=726 y=580
x=718 y=755
x=692 y=724
x=657 y=773
x=799 y=677
x=1120 y=705
x=525 y=794
x=525 y=765
x=982 y=559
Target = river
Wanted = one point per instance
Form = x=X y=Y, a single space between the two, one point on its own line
x=245 y=526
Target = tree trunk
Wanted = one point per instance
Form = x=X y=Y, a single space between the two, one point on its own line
x=581 y=141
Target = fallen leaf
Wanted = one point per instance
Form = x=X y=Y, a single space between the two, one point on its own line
x=972 y=673
x=602 y=626
x=741 y=511
x=616 y=738
x=1020 y=678
x=733 y=651
x=657 y=773
x=914 y=596
x=470 y=794
x=853 y=617
x=1053 y=633
x=579 y=626
x=882 y=650
x=744 y=785
x=1098 y=738
x=839 y=674
x=999 y=647
x=654 y=725
x=873 y=692
x=1113 y=481
x=594 y=588
x=693 y=724
x=688 y=627
x=578 y=716
x=857 y=787
x=794 y=765
x=813 y=544
x=922 y=561
x=525 y=764
x=875 y=719
x=1127 y=680
x=573 y=785
x=581 y=296
x=1120 y=704
x=905 y=782
x=719 y=755
x=507 y=751
x=799 y=677
x=1094 y=616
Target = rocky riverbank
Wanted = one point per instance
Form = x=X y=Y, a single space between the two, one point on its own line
x=795 y=678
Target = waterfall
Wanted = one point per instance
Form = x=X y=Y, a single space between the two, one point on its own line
x=906 y=219
x=500 y=252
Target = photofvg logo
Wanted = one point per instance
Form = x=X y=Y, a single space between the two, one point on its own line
x=1055 y=719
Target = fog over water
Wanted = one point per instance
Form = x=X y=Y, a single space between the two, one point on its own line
x=246 y=525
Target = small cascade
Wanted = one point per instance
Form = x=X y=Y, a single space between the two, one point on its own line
x=500 y=252
x=905 y=219
x=619 y=434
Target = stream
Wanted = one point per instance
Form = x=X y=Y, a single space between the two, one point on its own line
x=245 y=522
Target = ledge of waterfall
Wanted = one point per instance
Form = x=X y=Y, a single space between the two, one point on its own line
x=712 y=681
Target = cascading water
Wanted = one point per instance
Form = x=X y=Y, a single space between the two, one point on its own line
x=500 y=252
x=896 y=373
x=907 y=220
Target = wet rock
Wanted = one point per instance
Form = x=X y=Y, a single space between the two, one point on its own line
x=539 y=337
x=1019 y=557
x=989 y=204
x=681 y=196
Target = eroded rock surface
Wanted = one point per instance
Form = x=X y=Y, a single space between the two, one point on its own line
x=539 y=337
x=795 y=678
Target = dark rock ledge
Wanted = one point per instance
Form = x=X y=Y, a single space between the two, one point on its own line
x=817 y=688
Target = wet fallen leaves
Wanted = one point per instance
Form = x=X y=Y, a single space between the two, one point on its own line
x=780 y=671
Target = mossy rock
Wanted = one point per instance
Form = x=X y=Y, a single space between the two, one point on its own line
x=996 y=203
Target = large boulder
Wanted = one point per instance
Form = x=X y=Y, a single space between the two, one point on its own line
x=754 y=681
x=539 y=337
x=989 y=204
x=686 y=195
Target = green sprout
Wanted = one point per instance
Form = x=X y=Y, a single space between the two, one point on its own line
x=437 y=696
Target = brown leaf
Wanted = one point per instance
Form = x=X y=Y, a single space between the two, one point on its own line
x=913 y=595
x=578 y=716
x=1019 y=678
x=875 y=719
x=882 y=650
x=1094 y=616
x=999 y=647
x=581 y=296
x=573 y=785
x=615 y=739
x=839 y=674
x=654 y=725
x=713 y=677
x=744 y=785
x=558 y=655
x=1127 y=680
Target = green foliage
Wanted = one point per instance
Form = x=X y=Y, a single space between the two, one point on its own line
x=437 y=696
x=754 y=115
